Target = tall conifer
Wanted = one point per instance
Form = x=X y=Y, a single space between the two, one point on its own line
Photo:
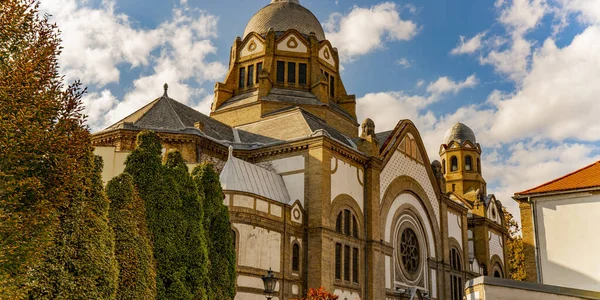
x=218 y=228
x=133 y=249
x=81 y=263
x=193 y=236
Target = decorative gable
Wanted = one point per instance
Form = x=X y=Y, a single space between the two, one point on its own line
x=409 y=147
x=292 y=43
x=326 y=54
x=253 y=46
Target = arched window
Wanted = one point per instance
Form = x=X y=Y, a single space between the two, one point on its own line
x=443 y=166
x=478 y=165
x=468 y=163
x=453 y=164
x=456 y=280
x=498 y=271
x=296 y=257
x=347 y=254
x=338 y=223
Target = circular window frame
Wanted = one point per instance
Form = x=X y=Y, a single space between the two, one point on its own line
x=407 y=220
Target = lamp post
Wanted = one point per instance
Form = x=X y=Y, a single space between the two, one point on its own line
x=270 y=282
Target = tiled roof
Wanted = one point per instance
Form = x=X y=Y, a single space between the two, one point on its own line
x=166 y=114
x=587 y=177
x=287 y=124
x=242 y=176
x=285 y=15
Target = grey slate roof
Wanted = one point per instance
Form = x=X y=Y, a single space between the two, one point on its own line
x=242 y=176
x=290 y=123
x=167 y=115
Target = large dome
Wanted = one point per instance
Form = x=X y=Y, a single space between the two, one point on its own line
x=460 y=133
x=282 y=15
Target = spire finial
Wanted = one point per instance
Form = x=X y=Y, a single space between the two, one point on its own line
x=230 y=152
x=166 y=87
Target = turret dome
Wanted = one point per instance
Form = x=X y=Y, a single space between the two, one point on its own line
x=282 y=15
x=460 y=133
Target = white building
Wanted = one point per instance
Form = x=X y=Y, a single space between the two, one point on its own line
x=560 y=222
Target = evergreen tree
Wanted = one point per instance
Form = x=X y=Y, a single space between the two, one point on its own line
x=514 y=248
x=221 y=252
x=42 y=140
x=133 y=250
x=196 y=256
x=81 y=263
x=158 y=187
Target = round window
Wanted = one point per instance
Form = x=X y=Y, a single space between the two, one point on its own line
x=409 y=250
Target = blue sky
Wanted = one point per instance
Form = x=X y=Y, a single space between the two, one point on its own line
x=522 y=73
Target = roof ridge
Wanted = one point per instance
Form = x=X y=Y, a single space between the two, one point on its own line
x=151 y=104
x=174 y=111
x=558 y=179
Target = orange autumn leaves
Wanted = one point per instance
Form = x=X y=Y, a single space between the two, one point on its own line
x=319 y=294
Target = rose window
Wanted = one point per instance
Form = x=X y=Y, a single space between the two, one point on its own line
x=409 y=251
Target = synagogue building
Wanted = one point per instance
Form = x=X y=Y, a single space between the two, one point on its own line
x=315 y=196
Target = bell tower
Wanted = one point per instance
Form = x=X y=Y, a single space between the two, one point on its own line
x=461 y=163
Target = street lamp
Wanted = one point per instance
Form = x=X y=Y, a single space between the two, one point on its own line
x=270 y=282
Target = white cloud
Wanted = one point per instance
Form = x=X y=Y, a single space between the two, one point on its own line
x=420 y=83
x=468 y=46
x=558 y=98
x=510 y=55
x=512 y=62
x=366 y=29
x=446 y=85
x=98 y=42
x=404 y=63
x=522 y=15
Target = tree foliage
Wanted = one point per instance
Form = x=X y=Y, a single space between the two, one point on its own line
x=42 y=140
x=319 y=294
x=194 y=242
x=81 y=262
x=170 y=197
x=133 y=249
x=222 y=272
x=514 y=248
